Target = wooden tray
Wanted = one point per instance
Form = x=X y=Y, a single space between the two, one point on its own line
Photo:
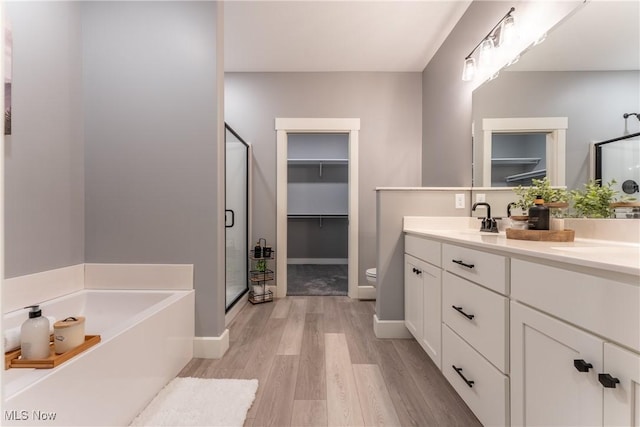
x=542 y=235
x=11 y=359
x=624 y=204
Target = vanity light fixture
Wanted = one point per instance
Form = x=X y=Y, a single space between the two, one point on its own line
x=488 y=45
x=625 y=116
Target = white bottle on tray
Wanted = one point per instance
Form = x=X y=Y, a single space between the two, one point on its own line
x=34 y=335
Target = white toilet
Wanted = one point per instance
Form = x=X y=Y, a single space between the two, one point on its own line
x=371 y=276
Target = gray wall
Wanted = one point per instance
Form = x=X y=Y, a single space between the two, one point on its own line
x=446 y=99
x=594 y=102
x=307 y=238
x=44 y=173
x=388 y=105
x=393 y=206
x=153 y=153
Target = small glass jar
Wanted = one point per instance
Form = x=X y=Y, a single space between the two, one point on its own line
x=519 y=222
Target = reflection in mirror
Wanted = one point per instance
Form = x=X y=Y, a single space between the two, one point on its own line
x=618 y=160
x=534 y=144
x=517 y=158
x=590 y=77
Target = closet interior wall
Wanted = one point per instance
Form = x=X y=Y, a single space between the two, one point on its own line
x=317 y=199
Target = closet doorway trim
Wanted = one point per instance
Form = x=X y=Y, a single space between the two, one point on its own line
x=284 y=126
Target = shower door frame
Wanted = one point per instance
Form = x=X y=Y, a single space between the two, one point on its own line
x=249 y=165
x=284 y=126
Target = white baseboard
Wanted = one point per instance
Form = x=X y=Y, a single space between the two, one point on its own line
x=366 y=292
x=211 y=347
x=390 y=328
x=341 y=261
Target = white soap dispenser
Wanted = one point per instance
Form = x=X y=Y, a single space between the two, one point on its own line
x=34 y=335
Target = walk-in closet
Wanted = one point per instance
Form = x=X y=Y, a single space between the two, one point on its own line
x=518 y=158
x=317 y=213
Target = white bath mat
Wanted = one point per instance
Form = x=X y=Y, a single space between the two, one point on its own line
x=200 y=402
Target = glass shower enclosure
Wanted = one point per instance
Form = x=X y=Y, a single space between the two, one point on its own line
x=619 y=159
x=237 y=178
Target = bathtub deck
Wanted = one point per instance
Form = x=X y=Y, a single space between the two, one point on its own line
x=307 y=352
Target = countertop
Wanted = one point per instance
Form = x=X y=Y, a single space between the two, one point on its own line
x=619 y=257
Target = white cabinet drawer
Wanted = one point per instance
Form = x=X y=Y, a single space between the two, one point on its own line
x=479 y=316
x=606 y=307
x=489 y=393
x=424 y=249
x=487 y=269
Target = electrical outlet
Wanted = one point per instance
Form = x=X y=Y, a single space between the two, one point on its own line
x=480 y=197
x=460 y=201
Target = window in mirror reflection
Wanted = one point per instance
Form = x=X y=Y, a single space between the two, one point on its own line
x=517 y=158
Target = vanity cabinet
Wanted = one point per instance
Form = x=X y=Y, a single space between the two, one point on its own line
x=527 y=339
x=483 y=387
x=567 y=369
x=422 y=296
x=546 y=387
x=622 y=403
x=475 y=314
x=479 y=316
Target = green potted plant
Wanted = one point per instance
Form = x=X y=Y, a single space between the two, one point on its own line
x=594 y=201
x=261 y=266
x=553 y=197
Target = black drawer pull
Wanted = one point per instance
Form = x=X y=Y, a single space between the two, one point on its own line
x=459 y=371
x=459 y=310
x=581 y=365
x=462 y=263
x=608 y=381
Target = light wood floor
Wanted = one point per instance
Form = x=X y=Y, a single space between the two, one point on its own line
x=319 y=363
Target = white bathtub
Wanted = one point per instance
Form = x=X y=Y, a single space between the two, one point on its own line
x=147 y=338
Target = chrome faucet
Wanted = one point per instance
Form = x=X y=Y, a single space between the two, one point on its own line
x=488 y=224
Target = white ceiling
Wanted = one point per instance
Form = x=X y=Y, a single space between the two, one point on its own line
x=339 y=35
x=601 y=35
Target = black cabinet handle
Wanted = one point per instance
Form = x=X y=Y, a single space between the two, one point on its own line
x=459 y=371
x=608 y=381
x=581 y=365
x=460 y=262
x=415 y=270
x=459 y=310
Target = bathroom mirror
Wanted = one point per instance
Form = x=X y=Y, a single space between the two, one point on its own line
x=587 y=71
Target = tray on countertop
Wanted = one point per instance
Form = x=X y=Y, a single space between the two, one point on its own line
x=566 y=235
x=11 y=358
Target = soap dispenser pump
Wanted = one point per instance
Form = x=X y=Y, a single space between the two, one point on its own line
x=538 y=215
x=34 y=335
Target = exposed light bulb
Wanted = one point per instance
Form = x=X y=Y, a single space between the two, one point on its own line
x=485 y=57
x=508 y=32
x=469 y=70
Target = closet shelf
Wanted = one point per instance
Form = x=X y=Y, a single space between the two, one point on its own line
x=318 y=215
x=526 y=175
x=318 y=161
x=515 y=160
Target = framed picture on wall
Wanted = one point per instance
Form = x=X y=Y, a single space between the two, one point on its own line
x=8 y=47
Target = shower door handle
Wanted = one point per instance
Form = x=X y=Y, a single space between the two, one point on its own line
x=233 y=218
